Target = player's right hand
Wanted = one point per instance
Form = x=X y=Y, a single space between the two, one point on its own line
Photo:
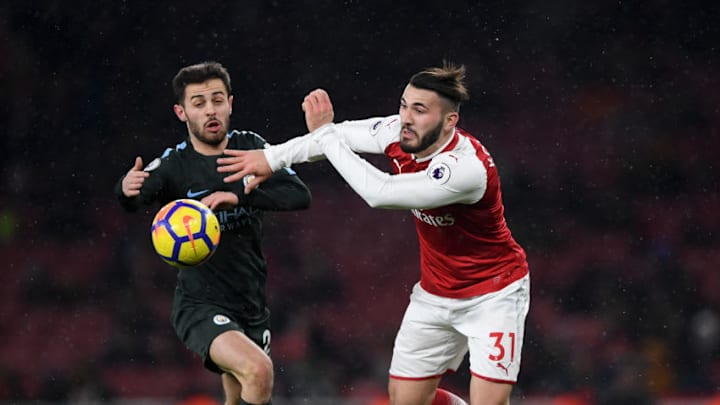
x=134 y=179
x=318 y=109
x=250 y=166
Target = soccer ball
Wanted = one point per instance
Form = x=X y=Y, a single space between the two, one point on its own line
x=185 y=233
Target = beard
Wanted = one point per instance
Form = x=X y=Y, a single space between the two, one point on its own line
x=426 y=140
x=208 y=137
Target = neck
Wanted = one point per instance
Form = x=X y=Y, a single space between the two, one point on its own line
x=206 y=148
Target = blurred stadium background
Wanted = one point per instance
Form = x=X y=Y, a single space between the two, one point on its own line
x=603 y=119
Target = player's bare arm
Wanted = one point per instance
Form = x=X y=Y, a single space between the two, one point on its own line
x=318 y=109
x=134 y=179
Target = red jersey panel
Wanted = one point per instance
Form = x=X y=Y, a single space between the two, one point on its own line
x=465 y=250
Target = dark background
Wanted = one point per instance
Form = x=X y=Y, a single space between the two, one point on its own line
x=603 y=120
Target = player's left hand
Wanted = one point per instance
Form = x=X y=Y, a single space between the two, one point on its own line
x=251 y=166
x=221 y=200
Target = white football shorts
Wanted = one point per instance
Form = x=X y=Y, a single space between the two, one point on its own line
x=436 y=333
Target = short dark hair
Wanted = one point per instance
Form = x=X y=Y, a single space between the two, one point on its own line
x=447 y=81
x=199 y=73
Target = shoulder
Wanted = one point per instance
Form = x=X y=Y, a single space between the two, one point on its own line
x=471 y=143
x=173 y=151
x=457 y=160
x=460 y=169
x=246 y=140
x=167 y=157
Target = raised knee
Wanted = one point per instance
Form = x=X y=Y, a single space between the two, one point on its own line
x=260 y=375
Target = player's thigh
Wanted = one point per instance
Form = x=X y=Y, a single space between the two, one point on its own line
x=234 y=352
x=412 y=392
x=495 y=326
x=484 y=392
x=426 y=345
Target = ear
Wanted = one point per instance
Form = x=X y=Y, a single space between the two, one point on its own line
x=230 y=101
x=180 y=112
x=451 y=120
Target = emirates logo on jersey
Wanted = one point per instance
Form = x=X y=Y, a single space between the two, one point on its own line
x=434 y=220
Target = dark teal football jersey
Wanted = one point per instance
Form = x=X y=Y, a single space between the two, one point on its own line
x=234 y=277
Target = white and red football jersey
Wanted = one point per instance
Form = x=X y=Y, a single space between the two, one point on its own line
x=466 y=248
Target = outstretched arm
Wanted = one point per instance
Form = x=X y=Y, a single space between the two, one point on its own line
x=449 y=179
x=254 y=167
x=365 y=136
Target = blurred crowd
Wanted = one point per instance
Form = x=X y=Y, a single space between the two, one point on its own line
x=603 y=120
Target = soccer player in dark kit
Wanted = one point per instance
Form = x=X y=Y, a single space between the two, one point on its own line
x=219 y=310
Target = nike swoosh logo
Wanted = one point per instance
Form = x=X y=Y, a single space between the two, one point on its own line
x=192 y=194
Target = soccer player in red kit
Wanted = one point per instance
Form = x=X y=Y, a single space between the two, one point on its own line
x=473 y=294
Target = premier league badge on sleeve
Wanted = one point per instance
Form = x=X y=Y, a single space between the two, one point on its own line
x=152 y=165
x=375 y=128
x=439 y=172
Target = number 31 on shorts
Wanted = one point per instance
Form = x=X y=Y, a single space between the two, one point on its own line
x=501 y=341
